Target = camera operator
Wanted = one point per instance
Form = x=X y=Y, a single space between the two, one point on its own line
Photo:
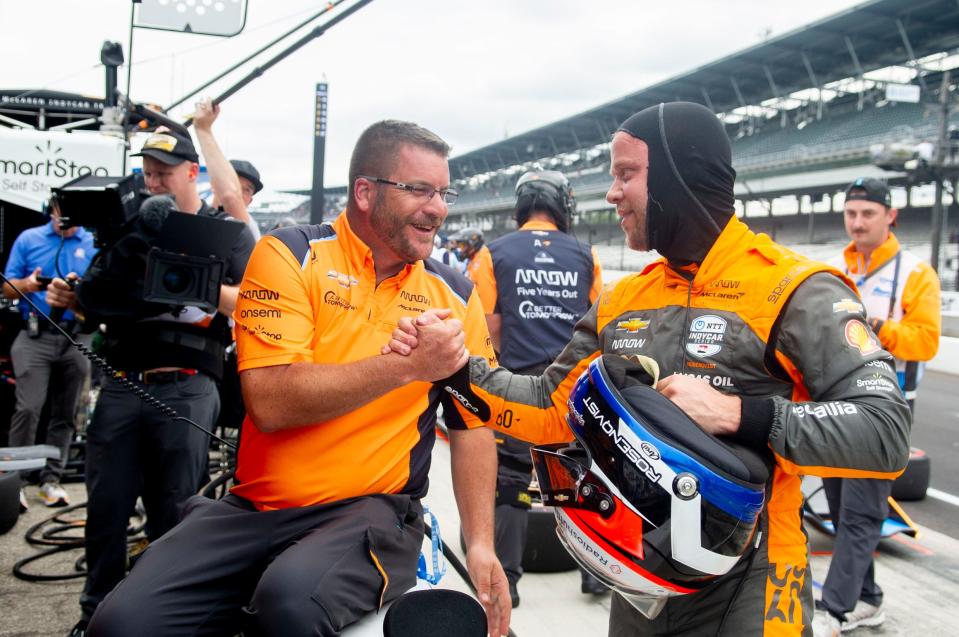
x=45 y=364
x=176 y=357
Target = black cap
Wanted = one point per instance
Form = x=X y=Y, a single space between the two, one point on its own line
x=869 y=189
x=248 y=171
x=171 y=146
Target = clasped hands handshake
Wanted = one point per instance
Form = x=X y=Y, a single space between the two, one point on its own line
x=435 y=345
x=433 y=342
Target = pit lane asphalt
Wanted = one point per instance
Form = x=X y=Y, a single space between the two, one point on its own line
x=920 y=577
x=936 y=431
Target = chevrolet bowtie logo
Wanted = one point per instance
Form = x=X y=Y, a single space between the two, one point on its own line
x=847 y=305
x=559 y=497
x=632 y=325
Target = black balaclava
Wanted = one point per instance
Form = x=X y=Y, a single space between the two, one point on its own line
x=690 y=178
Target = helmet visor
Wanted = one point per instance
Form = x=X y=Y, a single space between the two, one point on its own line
x=566 y=482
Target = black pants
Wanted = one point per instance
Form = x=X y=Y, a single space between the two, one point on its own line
x=858 y=508
x=303 y=571
x=47 y=368
x=513 y=475
x=132 y=449
x=510 y=539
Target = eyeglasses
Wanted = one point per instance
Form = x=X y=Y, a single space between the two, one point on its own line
x=418 y=190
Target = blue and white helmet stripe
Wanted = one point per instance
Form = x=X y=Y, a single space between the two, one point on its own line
x=736 y=500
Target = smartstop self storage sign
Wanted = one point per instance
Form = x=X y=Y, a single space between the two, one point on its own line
x=33 y=162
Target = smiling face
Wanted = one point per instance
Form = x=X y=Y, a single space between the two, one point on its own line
x=629 y=192
x=405 y=224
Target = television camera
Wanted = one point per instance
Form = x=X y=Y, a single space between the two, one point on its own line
x=185 y=256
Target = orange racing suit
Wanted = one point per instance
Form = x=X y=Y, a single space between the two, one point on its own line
x=781 y=331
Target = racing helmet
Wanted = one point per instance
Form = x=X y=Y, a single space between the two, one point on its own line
x=644 y=499
x=545 y=190
x=467 y=242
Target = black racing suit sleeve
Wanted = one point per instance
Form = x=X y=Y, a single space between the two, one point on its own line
x=856 y=423
x=531 y=408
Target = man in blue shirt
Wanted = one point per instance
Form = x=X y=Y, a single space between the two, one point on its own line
x=44 y=362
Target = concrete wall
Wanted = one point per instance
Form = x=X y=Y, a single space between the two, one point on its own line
x=947 y=359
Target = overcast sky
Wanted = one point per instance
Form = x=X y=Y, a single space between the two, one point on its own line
x=473 y=72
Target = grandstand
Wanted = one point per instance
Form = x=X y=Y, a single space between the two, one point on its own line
x=805 y=112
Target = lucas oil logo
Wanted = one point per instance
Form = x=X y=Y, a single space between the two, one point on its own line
x=706 y=335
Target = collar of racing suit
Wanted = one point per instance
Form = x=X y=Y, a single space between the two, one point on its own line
x=726 y=249
x=690 y=180
x=856 y=261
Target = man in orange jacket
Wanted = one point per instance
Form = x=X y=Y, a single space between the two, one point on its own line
x=901 y=297
x=753 y=341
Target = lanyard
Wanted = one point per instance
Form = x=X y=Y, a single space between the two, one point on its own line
x=436 y=544
x=895 y=283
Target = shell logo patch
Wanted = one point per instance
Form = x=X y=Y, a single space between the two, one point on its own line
x=859 y=336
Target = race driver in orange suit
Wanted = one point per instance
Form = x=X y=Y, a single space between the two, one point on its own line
x=753 y=341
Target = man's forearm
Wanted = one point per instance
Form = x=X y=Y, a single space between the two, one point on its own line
x=473 y=456
x=223 y=178
x=221 y=173
x=288 y=396
x=228 y=297
x=20 y=284
x=494 y=323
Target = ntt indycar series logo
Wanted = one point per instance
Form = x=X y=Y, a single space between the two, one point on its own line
x=706 y=335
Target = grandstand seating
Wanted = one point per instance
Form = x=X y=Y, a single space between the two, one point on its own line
x=846 y=131
x=844 y=134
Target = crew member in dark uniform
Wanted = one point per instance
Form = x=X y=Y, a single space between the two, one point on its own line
x=535 y=284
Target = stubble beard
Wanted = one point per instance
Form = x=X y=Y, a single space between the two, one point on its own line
x=391 y=227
